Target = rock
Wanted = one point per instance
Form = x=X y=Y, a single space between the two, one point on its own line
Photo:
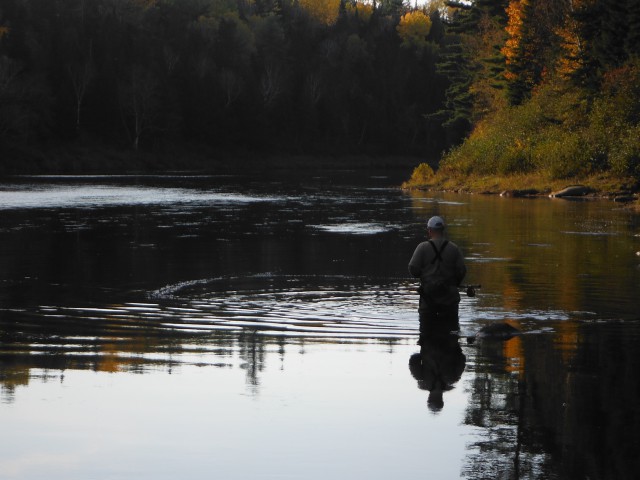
x=571 y=191
x=624 y=199
x=527 y=192
x=496 y=331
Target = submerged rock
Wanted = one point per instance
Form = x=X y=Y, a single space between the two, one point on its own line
x=496 y=331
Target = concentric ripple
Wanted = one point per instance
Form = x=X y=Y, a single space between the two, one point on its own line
x=294 y=306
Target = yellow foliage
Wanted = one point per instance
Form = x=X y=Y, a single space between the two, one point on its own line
x=362 y=10
x=324 y=11
x=569 y=62
x=421 y=175
x=413 y=29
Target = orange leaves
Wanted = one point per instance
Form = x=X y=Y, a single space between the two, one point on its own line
x=572 y=48
x=514 y=28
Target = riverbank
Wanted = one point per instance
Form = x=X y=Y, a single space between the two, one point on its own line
x=605 y=186
x=522 y=185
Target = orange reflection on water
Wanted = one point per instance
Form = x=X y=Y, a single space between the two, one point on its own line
x=109 y=360
x=513 y=352
x=512 y=296
x=566 y=339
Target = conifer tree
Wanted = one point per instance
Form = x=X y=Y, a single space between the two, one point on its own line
x=472 y=63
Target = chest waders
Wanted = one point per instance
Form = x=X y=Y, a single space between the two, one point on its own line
x=437 y=286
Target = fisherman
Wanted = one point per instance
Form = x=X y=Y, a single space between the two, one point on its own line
x=440 y=266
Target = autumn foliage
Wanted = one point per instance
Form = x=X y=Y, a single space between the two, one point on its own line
x=413 y=29
x=325 y=11
x=571 y=77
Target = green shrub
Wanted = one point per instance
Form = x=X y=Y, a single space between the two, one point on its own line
x=514 y=159
x=624 y=156
x=422 y=174
x=562 y=154
x=561 y=131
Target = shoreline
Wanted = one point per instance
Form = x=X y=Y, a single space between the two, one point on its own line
x=623 y=190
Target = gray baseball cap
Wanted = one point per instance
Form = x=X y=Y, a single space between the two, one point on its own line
x=436 y=223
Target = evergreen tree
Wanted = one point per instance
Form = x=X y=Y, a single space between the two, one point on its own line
x=469 y=59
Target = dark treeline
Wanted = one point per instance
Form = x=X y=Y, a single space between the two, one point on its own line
x=322 y=76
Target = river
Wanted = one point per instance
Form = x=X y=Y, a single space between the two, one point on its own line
x=249 y=327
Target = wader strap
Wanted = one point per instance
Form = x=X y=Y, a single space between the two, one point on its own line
x=438 y=256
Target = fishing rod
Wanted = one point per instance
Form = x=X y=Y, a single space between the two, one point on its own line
x=470 y=289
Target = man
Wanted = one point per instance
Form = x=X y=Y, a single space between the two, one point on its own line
x=440 y=266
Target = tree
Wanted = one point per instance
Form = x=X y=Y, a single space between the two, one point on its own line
x=472 y=63
x=533 y=44
x=24 y=103
x=413 y=29
x=391 y=7
x=80 y=74
x=139 y=104
x=324 y=11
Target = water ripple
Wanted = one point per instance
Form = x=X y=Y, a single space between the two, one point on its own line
x=337 y=307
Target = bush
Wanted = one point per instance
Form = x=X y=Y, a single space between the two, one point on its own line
x=562 y=154
x=421 y=175
x=624 y=156
x=560 y=132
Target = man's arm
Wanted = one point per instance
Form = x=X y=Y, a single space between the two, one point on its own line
x=461 y=269
x=415 y=264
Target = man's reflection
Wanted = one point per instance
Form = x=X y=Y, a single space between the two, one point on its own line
x=438 y=366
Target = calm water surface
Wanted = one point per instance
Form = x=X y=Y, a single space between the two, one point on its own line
x=244 y=328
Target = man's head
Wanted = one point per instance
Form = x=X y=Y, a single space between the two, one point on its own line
x=435 y=226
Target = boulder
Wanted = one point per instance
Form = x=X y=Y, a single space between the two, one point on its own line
x=571 y=191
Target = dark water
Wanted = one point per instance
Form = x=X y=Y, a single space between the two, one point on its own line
x=238 y=328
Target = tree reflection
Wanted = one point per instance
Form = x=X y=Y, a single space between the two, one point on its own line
x=571 y=413
x=252 y=352
x=32 y=344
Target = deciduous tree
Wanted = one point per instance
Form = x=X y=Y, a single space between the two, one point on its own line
x=413 y=29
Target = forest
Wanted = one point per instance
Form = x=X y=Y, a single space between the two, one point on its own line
x=546 y=89
x=487 y=87
x=281 y=76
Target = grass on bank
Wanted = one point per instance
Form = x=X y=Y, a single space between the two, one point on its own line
x=529 y=184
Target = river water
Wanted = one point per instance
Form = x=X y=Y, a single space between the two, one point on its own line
x=240 y=327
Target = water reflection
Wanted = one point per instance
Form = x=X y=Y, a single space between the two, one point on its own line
x=555 y=415
x=438 y=366
x=249 y=292
x=555 y=255
x=38 y=349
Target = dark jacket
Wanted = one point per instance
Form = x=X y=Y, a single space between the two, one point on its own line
x=450 y=269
